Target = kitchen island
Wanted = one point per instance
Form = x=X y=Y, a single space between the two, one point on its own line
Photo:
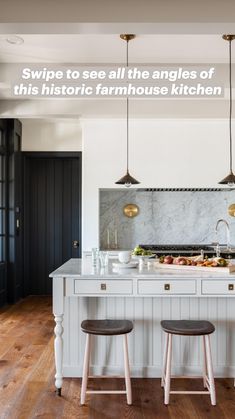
x=145 y=295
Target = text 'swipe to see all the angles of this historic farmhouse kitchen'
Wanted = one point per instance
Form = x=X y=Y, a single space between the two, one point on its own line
x=116 y=82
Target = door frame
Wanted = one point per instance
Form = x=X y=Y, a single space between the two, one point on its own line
x=26 y=155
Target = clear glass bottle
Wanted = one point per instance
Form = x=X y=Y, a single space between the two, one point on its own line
x=95 y=256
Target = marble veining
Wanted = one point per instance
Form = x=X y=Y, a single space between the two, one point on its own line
x=165 y=217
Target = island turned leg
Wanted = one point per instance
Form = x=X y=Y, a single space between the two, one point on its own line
x=58 y=346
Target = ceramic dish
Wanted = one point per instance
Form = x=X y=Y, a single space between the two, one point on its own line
x=132 y=264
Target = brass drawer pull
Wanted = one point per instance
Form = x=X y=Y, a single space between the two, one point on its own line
x=231 y=287
x=103 y=287
x=167 y=287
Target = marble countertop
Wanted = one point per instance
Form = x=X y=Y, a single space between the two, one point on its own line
x=82 y=268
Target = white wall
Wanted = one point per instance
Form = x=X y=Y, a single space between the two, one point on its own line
x=163 y=153
x=51 y=135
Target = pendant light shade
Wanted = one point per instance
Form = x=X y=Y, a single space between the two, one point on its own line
x=127 y=180
x=230 y=179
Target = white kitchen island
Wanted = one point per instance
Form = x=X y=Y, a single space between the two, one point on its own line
x=146 y=296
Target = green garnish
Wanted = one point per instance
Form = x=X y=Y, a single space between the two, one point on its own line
x=139 y=251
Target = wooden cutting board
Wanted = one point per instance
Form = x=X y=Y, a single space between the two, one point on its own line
x=228 y=269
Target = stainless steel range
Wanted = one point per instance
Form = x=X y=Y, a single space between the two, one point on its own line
x=188 y=249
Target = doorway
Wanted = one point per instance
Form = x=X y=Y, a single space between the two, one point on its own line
x=52 y=216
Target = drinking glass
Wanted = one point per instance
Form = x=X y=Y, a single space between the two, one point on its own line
x=104 y=259
x=95 y=256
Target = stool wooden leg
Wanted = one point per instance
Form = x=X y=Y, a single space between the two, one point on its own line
x=127 y=371
x=204 y=362
x=85 y=368
x=210 y=370
x=167 y=386
x=164 y=361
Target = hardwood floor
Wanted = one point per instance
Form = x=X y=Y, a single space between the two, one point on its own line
x=27 y=379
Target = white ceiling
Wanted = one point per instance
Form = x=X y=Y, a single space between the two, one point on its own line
x=103 y=14
x=100 y=49
x=115 y=108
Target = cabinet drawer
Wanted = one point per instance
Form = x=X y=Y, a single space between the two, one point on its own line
x=91 y=286
x=167 y=287
x=220 y=286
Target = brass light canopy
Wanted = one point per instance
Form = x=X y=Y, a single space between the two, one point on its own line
x=127 y=36
x=231 y=210
x=127 y=179
x=131 y=210
x=230 y=179
x=228 y=37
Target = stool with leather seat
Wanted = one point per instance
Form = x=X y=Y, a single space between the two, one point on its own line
x=106 y=328
x=188 y=328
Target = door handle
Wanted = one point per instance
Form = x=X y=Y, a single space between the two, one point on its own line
x=75 y=244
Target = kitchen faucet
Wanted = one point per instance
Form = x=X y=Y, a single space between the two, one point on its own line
x=227 y=230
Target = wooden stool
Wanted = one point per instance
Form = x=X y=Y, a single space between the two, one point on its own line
x=188 y=328
x=106 y=328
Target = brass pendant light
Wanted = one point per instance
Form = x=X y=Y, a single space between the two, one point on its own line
x=127 y=179
x=230 y=179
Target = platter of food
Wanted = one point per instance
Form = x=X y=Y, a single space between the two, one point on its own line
x=215 y=264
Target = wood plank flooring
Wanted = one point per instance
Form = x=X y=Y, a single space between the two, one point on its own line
x=27 y=379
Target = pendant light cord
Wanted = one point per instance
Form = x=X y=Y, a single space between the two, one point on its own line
x=127 y=52
x=127 y=134
x=127 y=180
x=230 y=104
x=127 y=114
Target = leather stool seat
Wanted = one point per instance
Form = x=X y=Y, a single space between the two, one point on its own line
x=107 y=327
x=188 y=327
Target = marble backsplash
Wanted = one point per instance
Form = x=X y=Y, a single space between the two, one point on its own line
x=165 y=217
